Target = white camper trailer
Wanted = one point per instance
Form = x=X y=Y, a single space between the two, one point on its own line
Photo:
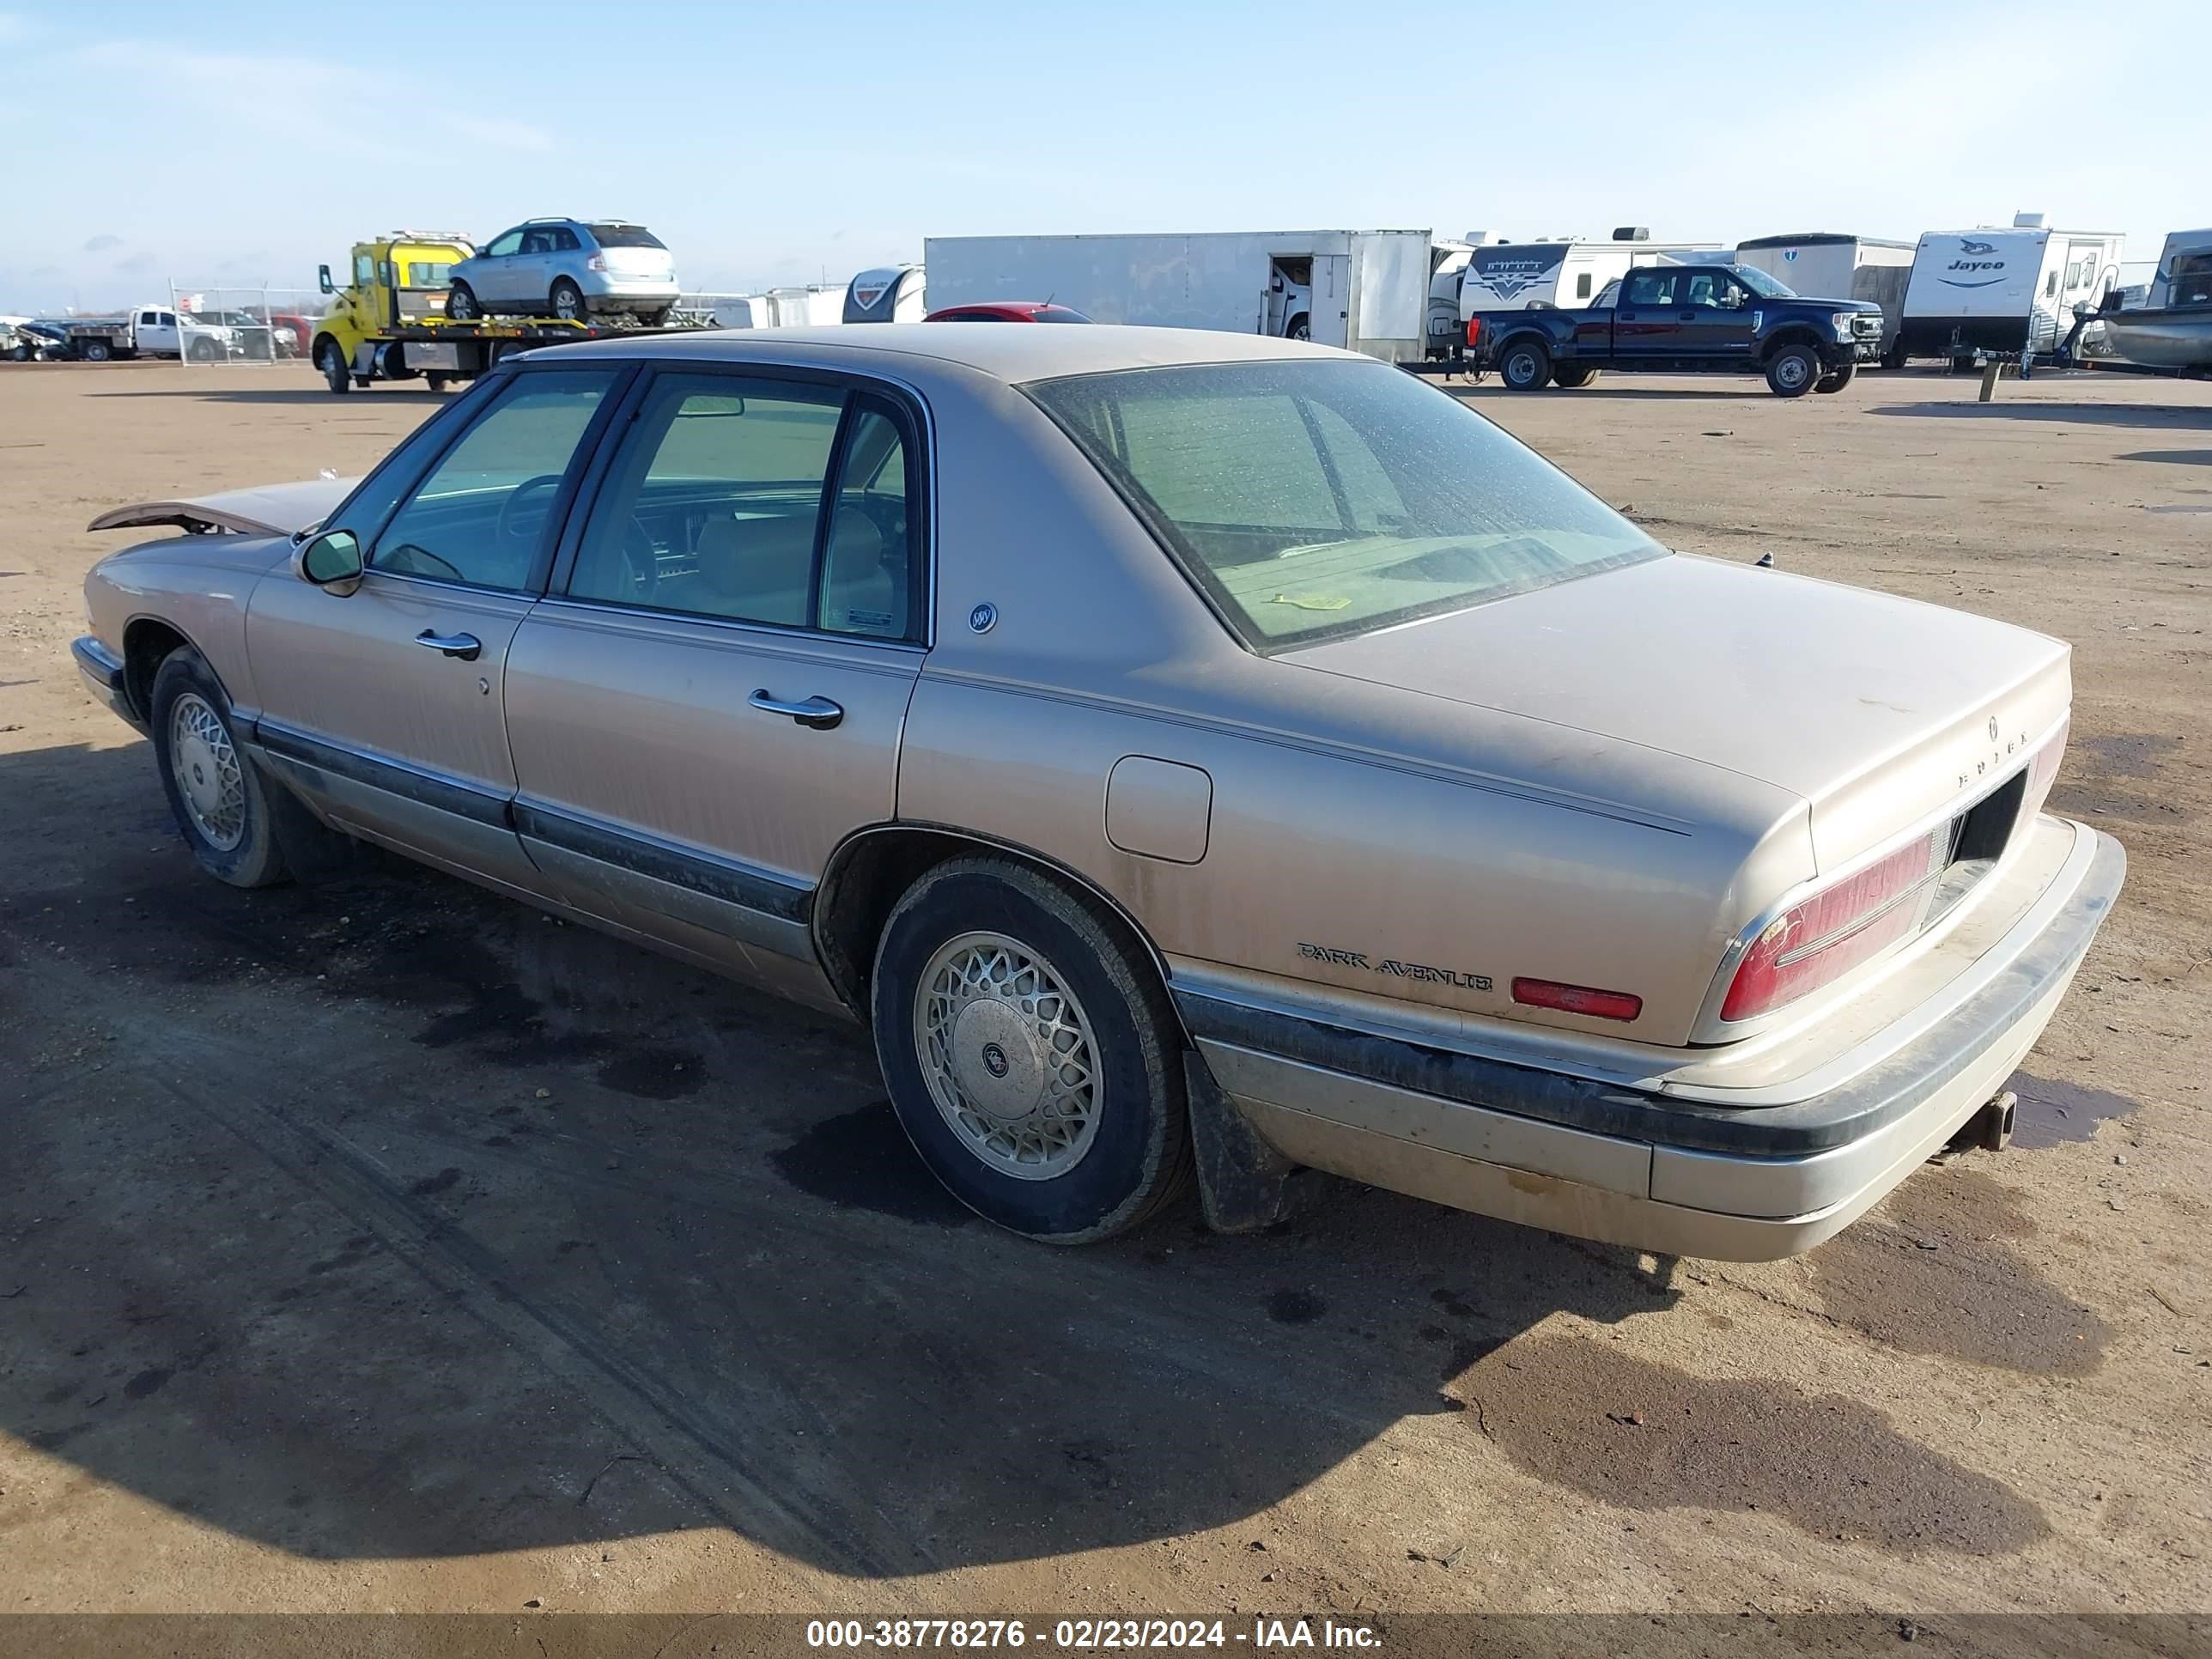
x=2005 y=292
x=892 y=294
x=1564 y=271
x=1828 y=266
x=1368 y=290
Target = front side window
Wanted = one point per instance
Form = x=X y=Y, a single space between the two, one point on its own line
x=505 y=246
x=713 y=507
x=480 y=516
x=1315 y=500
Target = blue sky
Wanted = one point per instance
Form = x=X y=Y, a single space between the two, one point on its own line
x=233 y=143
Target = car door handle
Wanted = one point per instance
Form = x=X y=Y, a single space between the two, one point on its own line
x=467 y=647
x=818 y=713
x=1689 y=316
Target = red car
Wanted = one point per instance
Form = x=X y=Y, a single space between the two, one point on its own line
x=1008 y=310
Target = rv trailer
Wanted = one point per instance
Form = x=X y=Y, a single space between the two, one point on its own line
x=1829 y=265
x=1368 y=290
x=2004 y=292
x=892 y=294
x=1567 y=271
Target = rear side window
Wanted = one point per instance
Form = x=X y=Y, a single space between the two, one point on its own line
x=625 y=236
x=1651 y=288
x=1311 y=499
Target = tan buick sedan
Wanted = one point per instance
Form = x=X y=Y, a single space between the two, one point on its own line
x=1182 y=751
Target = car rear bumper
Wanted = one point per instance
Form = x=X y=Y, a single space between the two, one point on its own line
x=102 y=671
x=629 y=290
x=1647 y=1169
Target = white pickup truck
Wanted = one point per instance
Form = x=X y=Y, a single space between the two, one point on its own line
x=152 y=331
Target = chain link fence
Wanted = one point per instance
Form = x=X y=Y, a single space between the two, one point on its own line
x=232 y=324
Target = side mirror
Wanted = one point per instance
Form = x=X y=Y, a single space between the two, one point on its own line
x=332 y=561
x=323 y=276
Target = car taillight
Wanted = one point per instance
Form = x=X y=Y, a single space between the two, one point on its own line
x=1576 y=999
x=597 y=261
x=1815 y=943
x=2044 y=772
x=1474 y=330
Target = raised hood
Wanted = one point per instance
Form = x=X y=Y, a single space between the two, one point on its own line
x=271 y=510
x=1878 y=711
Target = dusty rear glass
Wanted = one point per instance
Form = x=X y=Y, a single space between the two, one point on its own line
x=625 y=236
x=1316 y=499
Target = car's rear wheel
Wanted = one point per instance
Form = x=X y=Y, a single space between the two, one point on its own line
x=461 y=305
x=1573 y=378
x=1793 y=371
x=566 y=300
x=98 y=351
x=437 y=382
x=1836 y=379
x=1525 y=366
x=216 y=795
x=331 y=361
x=654 y=318
x=1030 y=1053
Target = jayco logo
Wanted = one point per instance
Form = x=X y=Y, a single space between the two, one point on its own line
x=1974 y=258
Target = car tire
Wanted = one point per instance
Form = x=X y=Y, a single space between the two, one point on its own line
x=1793 y=371
x=1573 y=378
x=437 y=382
x=200 y=351
x=655 y=319
x=22 y=354
x=98 y=351
x=216 y=793
x=1526 y=365
x=461 y=305
x=566 y=300
x=987 y=970
x=1300 y=327
x=1836 y=379
x=336 y=373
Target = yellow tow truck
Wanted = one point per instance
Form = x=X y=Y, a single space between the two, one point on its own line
x=390 y=323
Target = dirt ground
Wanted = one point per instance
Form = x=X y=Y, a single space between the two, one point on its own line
x=386 y=1245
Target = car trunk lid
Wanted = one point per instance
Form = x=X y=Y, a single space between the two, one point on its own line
x=1878 y=711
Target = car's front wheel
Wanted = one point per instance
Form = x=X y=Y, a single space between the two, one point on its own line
x=566 y=300
x=1792 y=371
x=461 y=305
x=218 y=798
x=335 y=374
x=1030 y=1053
x=1525 y=366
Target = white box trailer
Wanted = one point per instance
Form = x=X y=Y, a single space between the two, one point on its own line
x=1832 y=266
x=1367 y=290
x=2006 y=292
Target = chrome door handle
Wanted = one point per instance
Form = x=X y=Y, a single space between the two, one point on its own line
x=818 y=713
x=467 y=647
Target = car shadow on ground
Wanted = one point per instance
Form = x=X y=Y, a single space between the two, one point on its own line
x=387 y=1218
x=1599 y=391
x=2171 y=416
x=2171 y=456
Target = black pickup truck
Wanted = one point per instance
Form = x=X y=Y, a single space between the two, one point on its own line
x=1683 y=320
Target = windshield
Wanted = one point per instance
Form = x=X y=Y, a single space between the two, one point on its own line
x=1312 y=500
x=1759 y=283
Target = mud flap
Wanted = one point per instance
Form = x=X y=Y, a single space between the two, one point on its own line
x=1243 y=1183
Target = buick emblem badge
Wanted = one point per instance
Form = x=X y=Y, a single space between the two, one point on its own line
x=982 y=616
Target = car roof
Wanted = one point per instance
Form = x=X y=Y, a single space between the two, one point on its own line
x=1011 y=355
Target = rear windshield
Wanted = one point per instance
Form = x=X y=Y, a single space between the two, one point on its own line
x=1057 y=314
x=625 y=236
x=1313 y=500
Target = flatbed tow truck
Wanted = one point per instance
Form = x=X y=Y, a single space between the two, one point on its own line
x=389 y=323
